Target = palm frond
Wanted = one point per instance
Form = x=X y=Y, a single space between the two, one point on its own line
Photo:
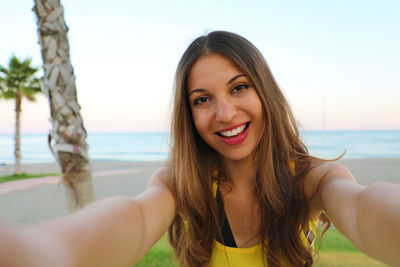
x=19 y=75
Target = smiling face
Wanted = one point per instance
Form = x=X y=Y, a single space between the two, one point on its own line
x=226 y=109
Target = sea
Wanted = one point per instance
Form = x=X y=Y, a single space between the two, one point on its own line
x=155 y=146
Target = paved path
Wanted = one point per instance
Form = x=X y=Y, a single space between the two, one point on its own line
x=30 y=201
x=47 y=180
x=34 y=200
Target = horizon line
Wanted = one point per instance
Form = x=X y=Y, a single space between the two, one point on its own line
x=167 y=132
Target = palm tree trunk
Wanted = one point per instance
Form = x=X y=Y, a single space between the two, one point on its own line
x=68 y=137
x=17 y=152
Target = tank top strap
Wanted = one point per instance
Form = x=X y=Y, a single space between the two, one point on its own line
x=215 y=183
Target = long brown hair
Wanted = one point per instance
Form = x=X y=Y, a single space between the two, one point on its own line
x=283 y=205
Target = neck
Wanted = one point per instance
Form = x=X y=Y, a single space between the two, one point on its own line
x=240 y=173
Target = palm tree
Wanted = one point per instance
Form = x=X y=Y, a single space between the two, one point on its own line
x=68 y=136
x=17 y=81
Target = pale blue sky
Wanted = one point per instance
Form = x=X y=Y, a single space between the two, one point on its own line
x=125 y=52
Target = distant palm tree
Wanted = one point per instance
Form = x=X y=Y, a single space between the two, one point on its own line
x=17 y=81
x=68 y=137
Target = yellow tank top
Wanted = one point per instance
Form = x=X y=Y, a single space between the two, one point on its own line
x=223 y=256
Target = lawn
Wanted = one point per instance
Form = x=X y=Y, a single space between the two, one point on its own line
x=22 y=176
x=336 y=251
x=159 y=255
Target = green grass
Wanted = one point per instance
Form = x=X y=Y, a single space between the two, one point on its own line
x=334 y=241
x=336 y=251
x=22 y=176
x=159 y=256
x=343 y=259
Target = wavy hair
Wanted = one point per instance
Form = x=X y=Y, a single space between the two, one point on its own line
x=283 y=205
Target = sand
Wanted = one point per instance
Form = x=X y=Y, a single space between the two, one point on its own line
x=45 y=198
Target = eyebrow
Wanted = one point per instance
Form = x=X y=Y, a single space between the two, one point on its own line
x=198 y=90
x=235 y=77
x=201 y=90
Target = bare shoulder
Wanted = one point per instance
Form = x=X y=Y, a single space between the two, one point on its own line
x=160 y=187
x=323 y=172
x=320 y=178
x=162 y=177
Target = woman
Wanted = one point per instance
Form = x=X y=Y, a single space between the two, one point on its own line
x=239 y=189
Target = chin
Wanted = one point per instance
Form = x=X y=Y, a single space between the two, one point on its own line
x=235 y=156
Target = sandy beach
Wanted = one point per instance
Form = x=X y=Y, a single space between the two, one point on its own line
x=25 y=203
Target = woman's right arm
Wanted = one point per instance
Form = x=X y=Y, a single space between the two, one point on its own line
x=117 y=231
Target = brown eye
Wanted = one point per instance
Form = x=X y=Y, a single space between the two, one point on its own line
x=240 y=87
x=200 y=100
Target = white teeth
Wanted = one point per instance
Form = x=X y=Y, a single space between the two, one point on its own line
x=233 y=132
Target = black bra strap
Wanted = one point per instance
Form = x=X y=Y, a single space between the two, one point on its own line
x=227 y=237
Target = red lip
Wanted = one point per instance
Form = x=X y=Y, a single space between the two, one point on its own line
x=235 y=140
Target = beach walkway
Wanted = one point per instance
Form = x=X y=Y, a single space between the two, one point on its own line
x=30 y=201
x=24 y=202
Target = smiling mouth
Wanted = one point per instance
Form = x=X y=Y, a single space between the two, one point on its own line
x=235 y=131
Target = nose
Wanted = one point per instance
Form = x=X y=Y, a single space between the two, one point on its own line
x=226 y=110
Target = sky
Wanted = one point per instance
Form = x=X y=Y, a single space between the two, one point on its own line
x=337 y=62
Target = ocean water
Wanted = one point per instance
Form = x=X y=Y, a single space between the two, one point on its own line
x=154 y=146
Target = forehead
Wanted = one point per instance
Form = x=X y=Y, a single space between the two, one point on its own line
x=211 y=70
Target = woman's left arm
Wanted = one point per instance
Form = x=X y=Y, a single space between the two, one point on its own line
x=368 y=216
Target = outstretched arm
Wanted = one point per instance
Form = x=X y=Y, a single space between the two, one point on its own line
x=114 y=232
x=368 y=216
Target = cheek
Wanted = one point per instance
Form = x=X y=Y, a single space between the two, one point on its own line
x=257 y=110
x=258 y=106
x=199 y=121
x=202 y=122
x=260 y=112
x=255 y=106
